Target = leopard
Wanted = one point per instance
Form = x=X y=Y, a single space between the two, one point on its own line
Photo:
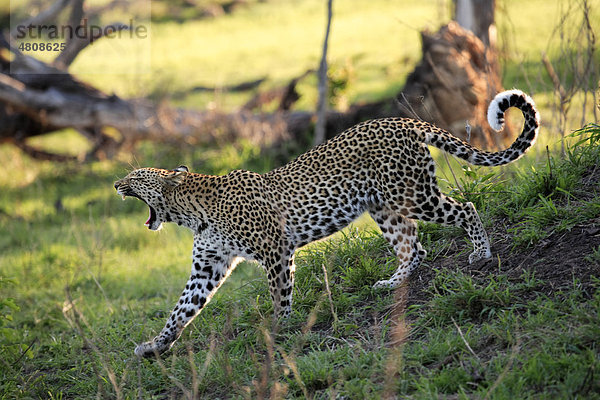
x=381 y=166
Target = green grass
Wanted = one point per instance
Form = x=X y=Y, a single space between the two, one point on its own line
x=551 y=198
x=280 y=39
x=538 y=349
x=83 y=282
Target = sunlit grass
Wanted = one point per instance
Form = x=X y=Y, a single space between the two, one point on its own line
x=281 y=40
x=94 y=263
x=65 y=233
x=277 y=39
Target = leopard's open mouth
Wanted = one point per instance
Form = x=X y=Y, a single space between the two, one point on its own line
x=127 y=192
x=151 y=212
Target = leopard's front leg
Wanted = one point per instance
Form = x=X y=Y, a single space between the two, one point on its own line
x=211 y=265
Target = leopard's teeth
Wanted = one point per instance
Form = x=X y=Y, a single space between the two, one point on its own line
x=123 y=197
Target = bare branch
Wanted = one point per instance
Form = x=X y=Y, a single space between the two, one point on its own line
x=554 y=77
x=47 y=15
x=42 y=154
x=77 y=13
x=95 y=11
x=322 y=102
x=286 y=95
x=76 y=45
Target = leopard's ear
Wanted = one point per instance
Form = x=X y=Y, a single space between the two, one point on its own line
x=182 y=168
x=175 y=177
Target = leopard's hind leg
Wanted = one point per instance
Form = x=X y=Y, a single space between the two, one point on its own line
x=401 y=233
x=448 y=211
x=466 y=217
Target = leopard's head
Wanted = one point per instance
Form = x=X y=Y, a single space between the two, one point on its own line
x=152 y=185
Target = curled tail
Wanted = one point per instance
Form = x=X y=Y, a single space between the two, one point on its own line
x=502 y=102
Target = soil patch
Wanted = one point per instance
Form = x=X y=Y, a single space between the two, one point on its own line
x=557 y=261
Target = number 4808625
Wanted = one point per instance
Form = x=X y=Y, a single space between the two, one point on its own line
x=42 y=46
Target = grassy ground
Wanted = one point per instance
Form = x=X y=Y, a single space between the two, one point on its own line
x=90 y=283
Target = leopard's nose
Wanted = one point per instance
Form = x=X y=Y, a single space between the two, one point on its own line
x=117 y=185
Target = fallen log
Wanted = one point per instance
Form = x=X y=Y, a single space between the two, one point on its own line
x=37 y=99
x=452 y=84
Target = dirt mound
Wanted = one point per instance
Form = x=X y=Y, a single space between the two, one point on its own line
x=557 y=261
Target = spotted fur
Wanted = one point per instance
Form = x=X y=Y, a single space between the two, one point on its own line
x=380 y=166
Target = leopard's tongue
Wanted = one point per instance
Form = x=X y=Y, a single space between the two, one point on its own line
x=151 y=217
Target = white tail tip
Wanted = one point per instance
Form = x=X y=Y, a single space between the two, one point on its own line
x=500 y=104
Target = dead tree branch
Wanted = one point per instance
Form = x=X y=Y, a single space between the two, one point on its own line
x=48 y=14
x=76 y=45
x=322 y=101
x=286 y=96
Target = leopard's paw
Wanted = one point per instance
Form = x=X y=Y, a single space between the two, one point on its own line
x=149 y=349
x=386 y=284
x=478 y=255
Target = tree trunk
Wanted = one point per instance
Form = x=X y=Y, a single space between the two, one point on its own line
x=478 y=17
x=322 y=101
x=454 y=84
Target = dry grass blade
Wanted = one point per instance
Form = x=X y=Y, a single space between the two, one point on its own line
x=335 y=317
x=187 y=394
x=75 y=320
x=289 y=360
x=465 y=340
x=399 y=335
x=515 y=349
